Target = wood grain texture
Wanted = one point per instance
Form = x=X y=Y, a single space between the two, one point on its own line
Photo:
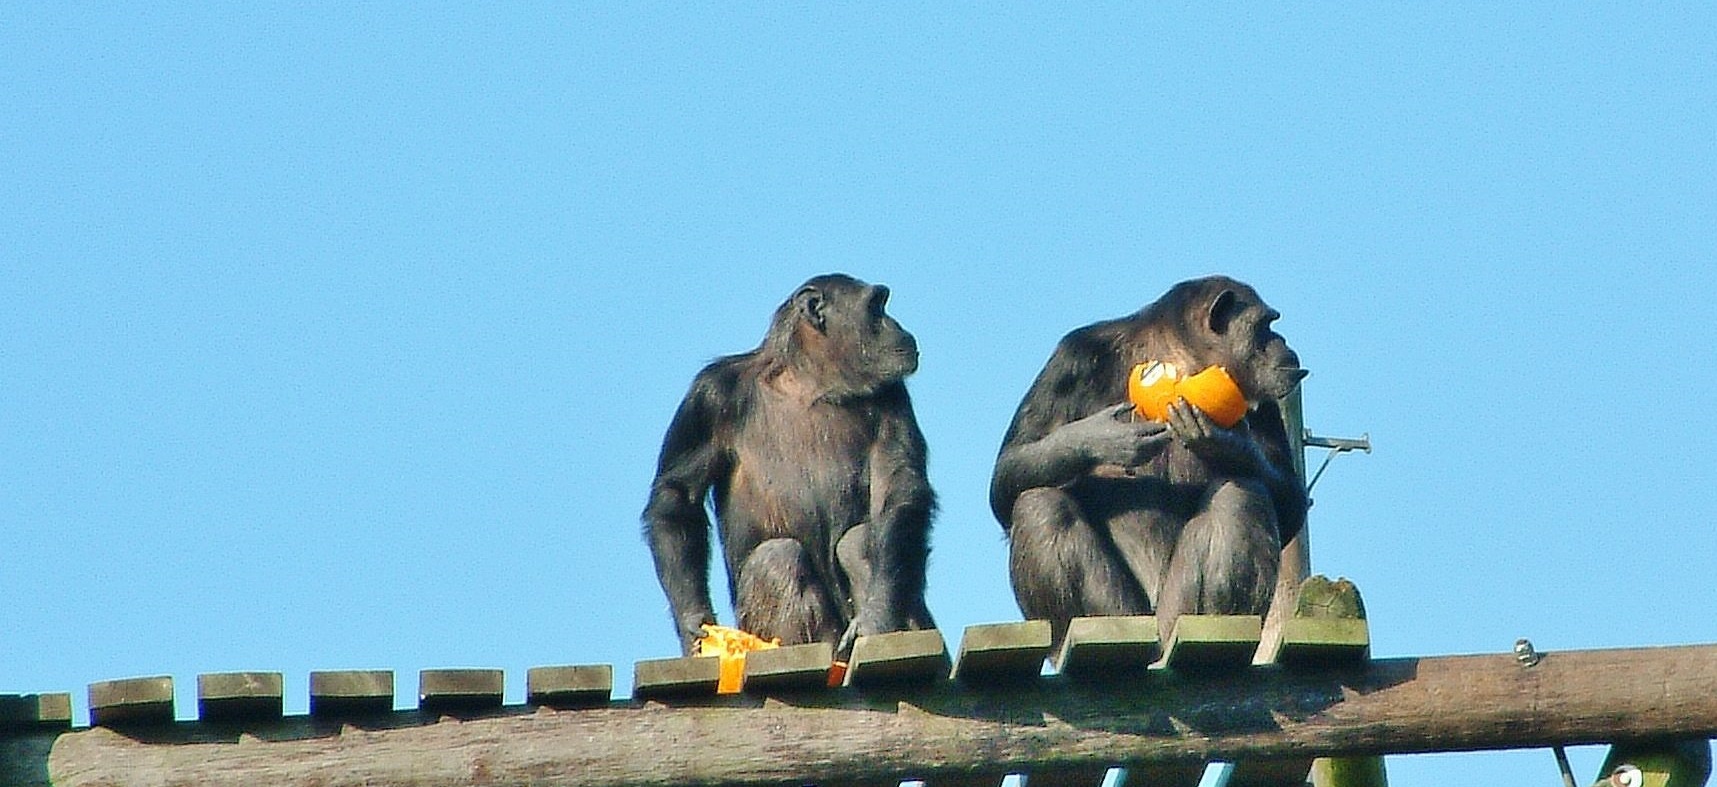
x=1451 y=703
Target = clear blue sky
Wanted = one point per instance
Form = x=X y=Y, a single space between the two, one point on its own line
x=344 y=336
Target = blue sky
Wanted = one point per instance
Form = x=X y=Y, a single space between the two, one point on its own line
x=344 y=336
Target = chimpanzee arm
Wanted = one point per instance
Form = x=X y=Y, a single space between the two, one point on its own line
x=675 y=522
x=898 y=532
x=1073 y=419
x=1287 y=488
x=1255 y=448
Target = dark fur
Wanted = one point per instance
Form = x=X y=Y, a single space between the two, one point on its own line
x=811 y=455
x=1195 y=519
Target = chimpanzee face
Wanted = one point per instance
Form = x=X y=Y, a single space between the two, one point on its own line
x=1259 y=359
x=867 y=344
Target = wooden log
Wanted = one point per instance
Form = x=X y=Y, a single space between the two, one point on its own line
x=1326 y=629
x=1452 y=703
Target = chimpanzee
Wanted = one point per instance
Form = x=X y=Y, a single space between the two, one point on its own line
x=1110 y=514
x=809 y=450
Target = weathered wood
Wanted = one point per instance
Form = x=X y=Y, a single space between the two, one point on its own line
x=898 y=657
x=351 y=692
x=684 y=676
x=1183 y=775
x=131 y=701
x=234 y=696
x=792 y=668
x=1327 y=628
x=1451 y=703
x=26 y=711
x=1310 y=642
x=576 y=686
x=1002 y=652
x=1350 y=772
x=1212 y=642
x=1109 y=647
x=460 y=690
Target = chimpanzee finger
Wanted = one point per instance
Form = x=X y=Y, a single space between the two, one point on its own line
x=1184 y=421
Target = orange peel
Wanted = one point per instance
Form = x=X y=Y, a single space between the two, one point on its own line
x=1154 y=385
x=730 y=645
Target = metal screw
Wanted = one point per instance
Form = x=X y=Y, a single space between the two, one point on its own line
x=1524 y=653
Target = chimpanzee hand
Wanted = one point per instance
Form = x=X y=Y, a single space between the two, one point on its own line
x=1230 y=449
x=871 y=619
x=1114 y=436
x=691 y=630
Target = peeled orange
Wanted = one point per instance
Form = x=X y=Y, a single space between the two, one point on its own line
x=730 y=645
x=1153 y=386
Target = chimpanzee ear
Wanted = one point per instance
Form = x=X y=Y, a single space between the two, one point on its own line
x=809 y=302
x=1222 y=311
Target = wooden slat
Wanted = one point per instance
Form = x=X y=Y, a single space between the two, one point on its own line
x=1098 y=648
x=1213 y=642
x=1451 y=703
x=792 y=668
x=240 y=696
x=685 y=676
x=575 y=686
x=1002 y=652
x=1324 y=642
x=898 y=657
x=1164 y=776
x=450 y=690
x=35 y=711
x=351 y=692
x=131 y=701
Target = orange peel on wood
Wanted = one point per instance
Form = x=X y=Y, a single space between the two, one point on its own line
x=730 y=645
x=1154 y=385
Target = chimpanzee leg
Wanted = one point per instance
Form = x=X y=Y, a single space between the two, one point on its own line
x=1226 y=560
x=1063 y=568
x=850 y=553
x=780 y=595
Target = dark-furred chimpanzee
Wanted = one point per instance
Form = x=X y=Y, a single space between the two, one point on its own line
x=1110 y=514
x=810 y=453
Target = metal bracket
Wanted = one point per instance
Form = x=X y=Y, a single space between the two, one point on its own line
x=1336 y=445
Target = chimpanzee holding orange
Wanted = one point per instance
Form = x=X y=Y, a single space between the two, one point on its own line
x=1110 y=513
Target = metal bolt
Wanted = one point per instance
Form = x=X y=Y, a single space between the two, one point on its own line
x=1524 y=653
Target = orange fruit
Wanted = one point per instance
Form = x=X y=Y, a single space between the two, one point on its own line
x=1151 y=389
x=730 y=645
x=1153 y=386
x=1214 y=392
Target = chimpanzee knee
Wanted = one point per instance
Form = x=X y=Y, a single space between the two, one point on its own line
x=1061 y=567
x=780 y=595
x=1225 y=562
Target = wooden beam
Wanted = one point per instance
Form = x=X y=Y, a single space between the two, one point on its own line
x=942 y=729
